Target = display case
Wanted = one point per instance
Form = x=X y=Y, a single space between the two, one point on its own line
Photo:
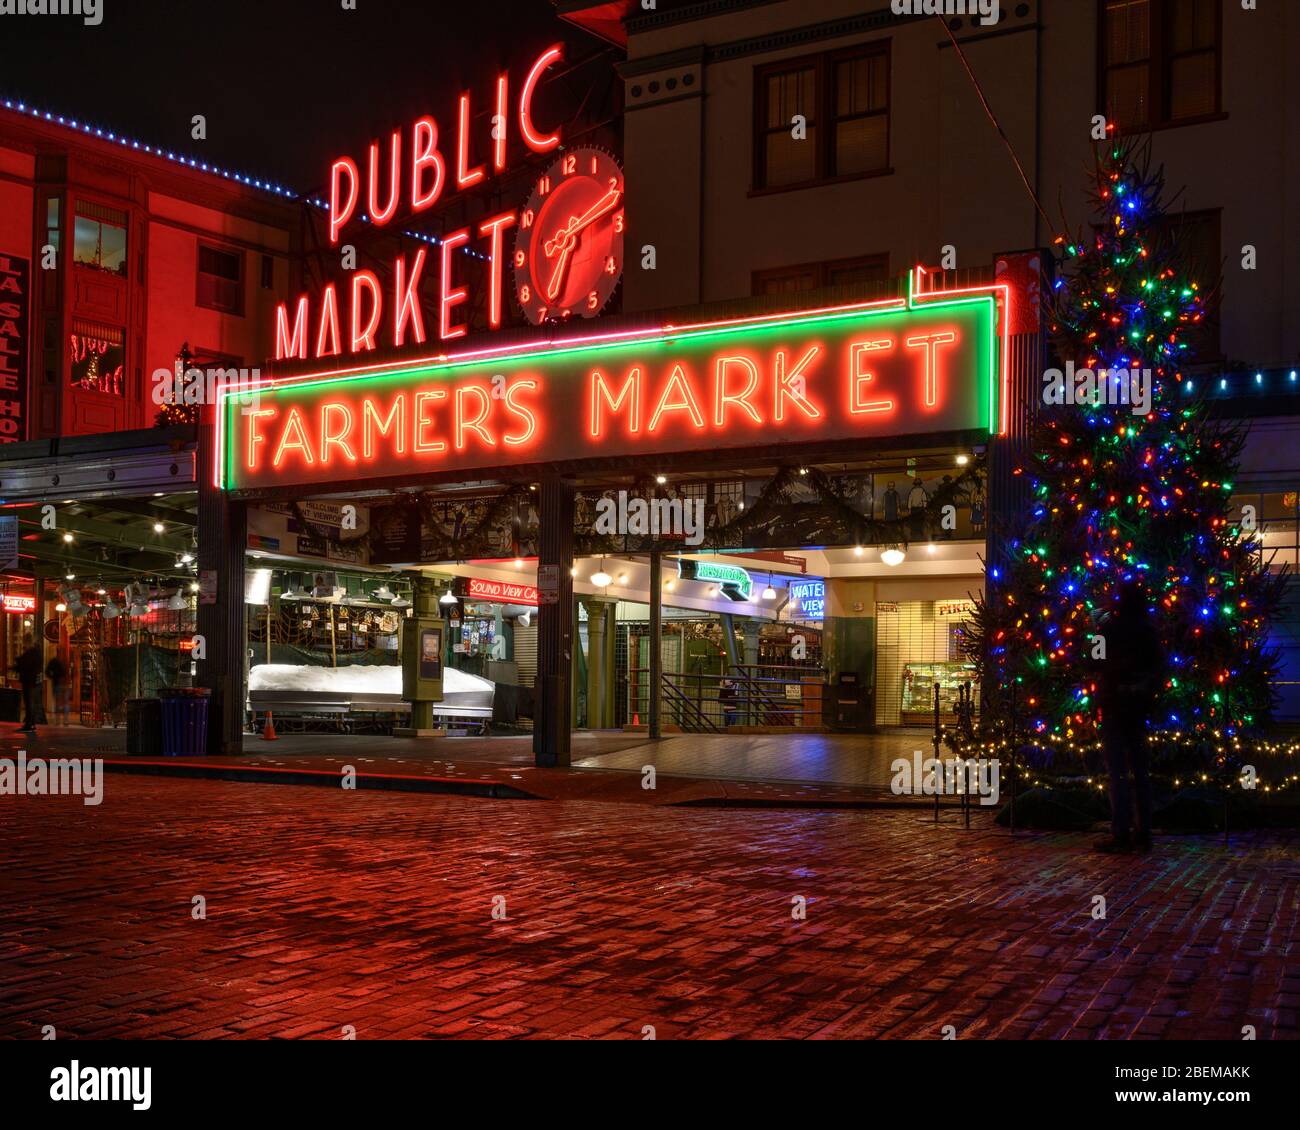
x=918 y=690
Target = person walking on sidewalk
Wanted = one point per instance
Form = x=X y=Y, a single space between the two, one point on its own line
x=1130 y=679
x=57 y=673
x=28 y=665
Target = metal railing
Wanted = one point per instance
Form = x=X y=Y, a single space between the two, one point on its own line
x=750 y=695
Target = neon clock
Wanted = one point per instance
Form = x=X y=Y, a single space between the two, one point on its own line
x=569 y=247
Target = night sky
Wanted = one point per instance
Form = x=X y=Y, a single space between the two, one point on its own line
x=285 y=85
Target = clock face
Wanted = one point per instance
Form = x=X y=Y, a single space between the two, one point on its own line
x=569 y=247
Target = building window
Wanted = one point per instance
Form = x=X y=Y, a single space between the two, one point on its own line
x=52 y=216
x=864 y=269
x=861 y=121
x=99 y=238
x=221 y=279
x=1160 y=62
x=98 y=358
x=843 y=98
x=1197 y=233
x=268 y=272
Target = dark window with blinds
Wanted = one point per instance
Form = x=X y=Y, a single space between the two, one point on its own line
x=1160 y=62
x=843 y=99
x=220 y=279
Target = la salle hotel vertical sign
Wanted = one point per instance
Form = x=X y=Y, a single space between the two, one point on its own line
x=15 y=301
x=867 y=371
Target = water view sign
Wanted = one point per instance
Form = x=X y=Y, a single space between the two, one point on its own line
x=810 y=599
x=866 y=371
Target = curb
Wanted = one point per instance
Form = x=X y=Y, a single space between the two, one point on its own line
x=319 y=778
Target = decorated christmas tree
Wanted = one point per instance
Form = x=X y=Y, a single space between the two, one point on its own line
x=1130 y=481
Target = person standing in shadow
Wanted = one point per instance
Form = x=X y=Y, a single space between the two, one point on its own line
x=1130 y=677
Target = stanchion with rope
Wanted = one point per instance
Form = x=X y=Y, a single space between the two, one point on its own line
x=938 y=753
x=1012 y=811
x=966 y=713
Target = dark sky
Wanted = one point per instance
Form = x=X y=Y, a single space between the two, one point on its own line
x=285 y=85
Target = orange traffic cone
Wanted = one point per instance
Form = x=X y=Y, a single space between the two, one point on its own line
x=268 y=730
x=636 y=718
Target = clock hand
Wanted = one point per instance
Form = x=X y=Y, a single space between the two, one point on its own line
x=577 y=223
x=566 y=239
x=553 y=287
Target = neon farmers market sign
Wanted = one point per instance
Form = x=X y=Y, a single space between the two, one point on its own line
x=901 y=367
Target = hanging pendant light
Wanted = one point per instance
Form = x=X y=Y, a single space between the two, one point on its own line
x=893 y=555
x=111 y=610
x=600 y=578
x=177 y=602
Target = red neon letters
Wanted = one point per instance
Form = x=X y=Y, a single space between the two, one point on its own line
x=346 y=431
x=403 y=178
x=892 y=371
x=425 y=156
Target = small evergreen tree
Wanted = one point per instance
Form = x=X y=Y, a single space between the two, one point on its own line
x=1119 y=494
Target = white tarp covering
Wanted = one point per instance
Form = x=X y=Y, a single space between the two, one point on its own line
x=355 y=679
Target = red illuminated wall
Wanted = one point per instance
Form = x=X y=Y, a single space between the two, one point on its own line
x=98 y=332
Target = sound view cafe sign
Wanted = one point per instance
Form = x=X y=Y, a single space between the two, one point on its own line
x=900 y=367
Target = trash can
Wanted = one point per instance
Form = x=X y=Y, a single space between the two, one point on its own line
x=11 y=705
x=144 y=726
x=184 y=720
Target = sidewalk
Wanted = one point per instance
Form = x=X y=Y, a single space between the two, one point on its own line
x=827 y=771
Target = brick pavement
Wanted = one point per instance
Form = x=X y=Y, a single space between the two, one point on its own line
x=327 y=908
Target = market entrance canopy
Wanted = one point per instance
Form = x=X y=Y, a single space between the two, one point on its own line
x=902 y=367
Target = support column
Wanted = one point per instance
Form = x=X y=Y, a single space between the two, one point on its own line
x=551 y=723
x=424 y=601
x=609 y=705
x=751 y=628
x=595 y=662
x=223 y=534
x=656 y=636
